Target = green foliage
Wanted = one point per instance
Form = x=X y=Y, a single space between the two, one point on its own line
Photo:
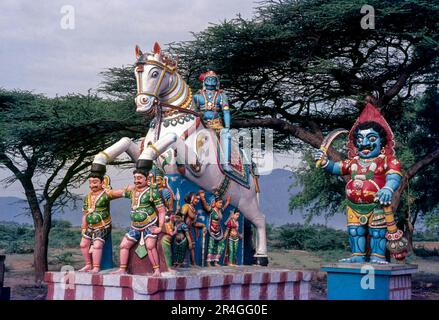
x=19 y=238
x=16 y=238
x=428 y=235
x=64 y=258
x=309 y=237
x=48 y=144
x=64 y=237
x=425 y=253
x=417 y=134
x=307 y=62
x=19 y=247
x=62 y=224
x=322 y=193
x=119 y=83
x=63 y=127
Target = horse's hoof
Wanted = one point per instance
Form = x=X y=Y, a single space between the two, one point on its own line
x=98 y=168
x=144 y=164
x=260 y=261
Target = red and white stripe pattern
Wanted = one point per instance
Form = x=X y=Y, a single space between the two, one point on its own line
x=400 y=287
x=240 y=283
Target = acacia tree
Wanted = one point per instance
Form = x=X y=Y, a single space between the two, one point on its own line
x=48 y=145
x=305 y=67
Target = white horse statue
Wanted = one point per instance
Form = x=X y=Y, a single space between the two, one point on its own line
x=178 y=142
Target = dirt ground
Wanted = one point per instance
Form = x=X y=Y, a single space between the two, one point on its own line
x=19 y=272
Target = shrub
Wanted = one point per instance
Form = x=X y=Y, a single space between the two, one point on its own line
x=64 y=258
x=62 y=224
x=425 y=253
x=19 y=247
x=309 y=237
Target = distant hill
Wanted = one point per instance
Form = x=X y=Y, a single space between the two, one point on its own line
x=275 y=197
x=274 y=204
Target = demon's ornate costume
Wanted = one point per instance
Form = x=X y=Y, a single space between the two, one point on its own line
x=375 y=174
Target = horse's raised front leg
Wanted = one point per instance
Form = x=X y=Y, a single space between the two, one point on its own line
x=104 y=157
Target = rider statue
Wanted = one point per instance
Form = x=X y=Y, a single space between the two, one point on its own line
x=375 y=174
x=213 y=105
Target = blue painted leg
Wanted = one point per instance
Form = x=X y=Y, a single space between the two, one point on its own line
x=378 y=245
x=226 y=144
x=357 y=241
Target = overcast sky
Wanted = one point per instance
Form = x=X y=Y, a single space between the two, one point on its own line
x=38 y=54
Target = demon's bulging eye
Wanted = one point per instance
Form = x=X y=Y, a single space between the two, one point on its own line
x=155 y=74
x=373 y=139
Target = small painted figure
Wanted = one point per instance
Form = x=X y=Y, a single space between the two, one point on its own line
x=181 y=240
x=168 y=232
x=96 y=221
x=168 y=226
x=147 y=219
x=216 y=239
x=190 y=218
x=232 y=237
x=375 y=174
x=213 y=104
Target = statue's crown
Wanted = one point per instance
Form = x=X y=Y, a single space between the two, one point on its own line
x=210 y=73
x=157 y=55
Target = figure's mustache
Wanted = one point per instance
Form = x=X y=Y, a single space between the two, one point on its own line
x=367 y=147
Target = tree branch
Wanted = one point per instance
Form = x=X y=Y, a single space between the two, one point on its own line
x=411 y=172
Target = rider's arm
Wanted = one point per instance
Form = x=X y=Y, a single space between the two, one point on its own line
x=226 y=110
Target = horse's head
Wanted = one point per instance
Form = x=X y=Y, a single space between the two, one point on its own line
x=154 y=75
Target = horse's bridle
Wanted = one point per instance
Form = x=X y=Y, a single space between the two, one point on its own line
x=157 y=103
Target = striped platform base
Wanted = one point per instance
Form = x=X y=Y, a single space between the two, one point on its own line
x=223 y=283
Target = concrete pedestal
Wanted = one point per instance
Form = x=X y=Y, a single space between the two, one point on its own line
x=357 y=281
x=223 y=283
